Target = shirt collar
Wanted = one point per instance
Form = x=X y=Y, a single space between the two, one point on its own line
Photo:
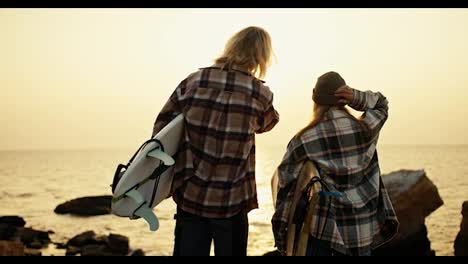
x=233 y=68
x=335 y=113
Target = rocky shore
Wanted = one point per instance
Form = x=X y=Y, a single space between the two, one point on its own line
x=18 y=240
x=413 y=194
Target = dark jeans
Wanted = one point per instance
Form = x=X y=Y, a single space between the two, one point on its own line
x=193 y=235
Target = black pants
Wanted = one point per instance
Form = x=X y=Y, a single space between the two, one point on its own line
x=193 y=235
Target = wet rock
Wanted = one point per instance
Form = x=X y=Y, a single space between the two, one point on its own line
x=90 y=244
x=12 y=229
x=32 y=238
x=118 y=244
x=461 y=241
x=11 y=248
x=13 y=220
x=86 y=206
x=7 y=232
x=82 y=239
x=35 y=245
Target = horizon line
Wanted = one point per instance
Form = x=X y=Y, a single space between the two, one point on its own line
x=127 y=148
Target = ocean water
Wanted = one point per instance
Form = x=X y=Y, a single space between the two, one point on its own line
x=33 y=183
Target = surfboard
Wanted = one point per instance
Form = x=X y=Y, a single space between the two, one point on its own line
x=146 y=180
x=297 y=236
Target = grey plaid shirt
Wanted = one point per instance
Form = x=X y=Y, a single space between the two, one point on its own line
x=345 y=154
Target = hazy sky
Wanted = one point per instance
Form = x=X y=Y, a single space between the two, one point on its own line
x=97 y=78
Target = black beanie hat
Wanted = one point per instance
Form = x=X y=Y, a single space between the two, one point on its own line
x=324 y=91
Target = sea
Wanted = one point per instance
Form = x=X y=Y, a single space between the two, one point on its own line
x=34 y=182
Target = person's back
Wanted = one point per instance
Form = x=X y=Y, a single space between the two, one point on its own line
x=224 y=106
x=223 y=109
x=359 y=215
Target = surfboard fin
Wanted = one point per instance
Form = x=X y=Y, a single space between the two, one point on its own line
x=144 y=211
x=161 y=155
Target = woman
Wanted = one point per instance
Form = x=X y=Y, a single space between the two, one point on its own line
x=354 y=213
x=224 y=106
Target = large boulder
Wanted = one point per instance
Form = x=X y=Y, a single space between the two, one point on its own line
x=414 y=197
x=86 y=206
x=461 y=241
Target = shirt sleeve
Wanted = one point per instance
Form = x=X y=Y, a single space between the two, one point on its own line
x=170 y=110
x=268 y=118
x=375 y=107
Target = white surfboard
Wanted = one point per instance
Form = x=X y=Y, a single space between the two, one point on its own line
x=147 y=180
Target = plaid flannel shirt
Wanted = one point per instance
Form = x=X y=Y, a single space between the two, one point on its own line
x=214 y=174
x=345 y=155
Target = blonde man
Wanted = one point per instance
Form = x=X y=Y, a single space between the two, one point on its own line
x=224 y=106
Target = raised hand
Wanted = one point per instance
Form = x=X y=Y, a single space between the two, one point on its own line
x=345 y=93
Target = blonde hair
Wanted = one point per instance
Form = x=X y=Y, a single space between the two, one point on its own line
x=250 y=49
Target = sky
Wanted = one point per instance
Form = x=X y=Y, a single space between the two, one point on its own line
x=97 y=78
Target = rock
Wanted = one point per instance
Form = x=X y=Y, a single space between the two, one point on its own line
x=274 y=253
x=32 y=238
x=89 y=244
x=32 y=252
x=461 y=241
x=60 y=245
x=118 y=244
x=86 y=206
x=7 y=232
x=72 y=251
x=137 y=253
x=12 y=229
x=414 y=197
x=13 y=221
x=82 y=239
x=35 y=244
x=416 y=244
x=97 y=250
x=11 y=248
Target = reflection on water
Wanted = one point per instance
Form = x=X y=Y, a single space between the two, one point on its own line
x=35 y=182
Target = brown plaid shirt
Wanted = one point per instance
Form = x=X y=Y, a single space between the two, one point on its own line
x=214 y=174
x=362 y=216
